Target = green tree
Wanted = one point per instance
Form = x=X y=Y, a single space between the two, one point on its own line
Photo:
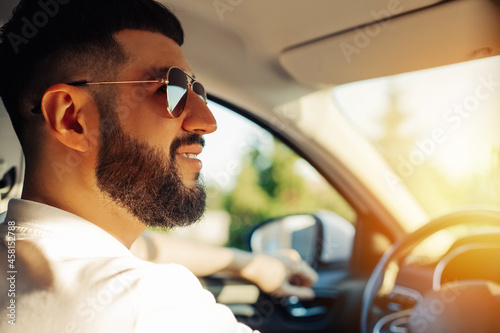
x=271 y=186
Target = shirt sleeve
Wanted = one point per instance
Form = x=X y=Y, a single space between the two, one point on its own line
x=171 y=299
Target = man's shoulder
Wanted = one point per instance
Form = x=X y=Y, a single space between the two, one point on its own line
x=172 y=279
x=152 y=274
x=144 y=279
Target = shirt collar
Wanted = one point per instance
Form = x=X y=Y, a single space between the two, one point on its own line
x=35 y=220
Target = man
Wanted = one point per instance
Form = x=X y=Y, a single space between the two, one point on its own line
x=111 y=119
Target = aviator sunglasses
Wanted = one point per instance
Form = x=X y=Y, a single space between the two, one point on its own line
x=177 y=82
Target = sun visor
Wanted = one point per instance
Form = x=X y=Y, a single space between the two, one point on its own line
x=447 y=33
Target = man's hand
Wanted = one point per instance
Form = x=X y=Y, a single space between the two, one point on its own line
x=284 y=274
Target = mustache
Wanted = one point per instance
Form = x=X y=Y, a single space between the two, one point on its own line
x=188 y=139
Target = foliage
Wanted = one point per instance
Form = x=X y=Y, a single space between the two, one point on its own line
x=272 y=186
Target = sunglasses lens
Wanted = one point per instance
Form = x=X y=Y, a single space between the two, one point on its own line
x=176 y=91
x=177 y=87
x=200 y=91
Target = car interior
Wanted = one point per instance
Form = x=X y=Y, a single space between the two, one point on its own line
x=362 y=134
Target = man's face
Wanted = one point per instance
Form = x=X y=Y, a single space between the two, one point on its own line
x=147 y=161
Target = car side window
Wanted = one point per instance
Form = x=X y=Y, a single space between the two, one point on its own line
x=251 y=176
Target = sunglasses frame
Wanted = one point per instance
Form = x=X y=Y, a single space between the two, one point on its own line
x=190 y=84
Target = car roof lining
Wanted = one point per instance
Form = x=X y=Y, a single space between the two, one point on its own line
x=271 y=70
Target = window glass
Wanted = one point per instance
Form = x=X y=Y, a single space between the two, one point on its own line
x=251 y=176
x=439 y=129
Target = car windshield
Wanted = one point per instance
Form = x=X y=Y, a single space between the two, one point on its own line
x=424 y=143
x=438 y=129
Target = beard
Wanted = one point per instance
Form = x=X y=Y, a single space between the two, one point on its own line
x=145 y=181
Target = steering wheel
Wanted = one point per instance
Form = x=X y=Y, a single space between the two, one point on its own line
x=383 y=277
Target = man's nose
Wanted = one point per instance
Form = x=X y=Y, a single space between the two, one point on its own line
x=197 y=116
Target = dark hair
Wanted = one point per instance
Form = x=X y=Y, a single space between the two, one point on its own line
x=52 y=41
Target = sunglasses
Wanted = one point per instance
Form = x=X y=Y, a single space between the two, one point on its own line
x=176 y=84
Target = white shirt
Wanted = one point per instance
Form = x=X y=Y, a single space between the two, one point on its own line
x=70 y=276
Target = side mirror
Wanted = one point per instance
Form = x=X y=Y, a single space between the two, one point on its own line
x=321 y=239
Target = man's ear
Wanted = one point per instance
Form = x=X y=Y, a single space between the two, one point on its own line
x=66 y=111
